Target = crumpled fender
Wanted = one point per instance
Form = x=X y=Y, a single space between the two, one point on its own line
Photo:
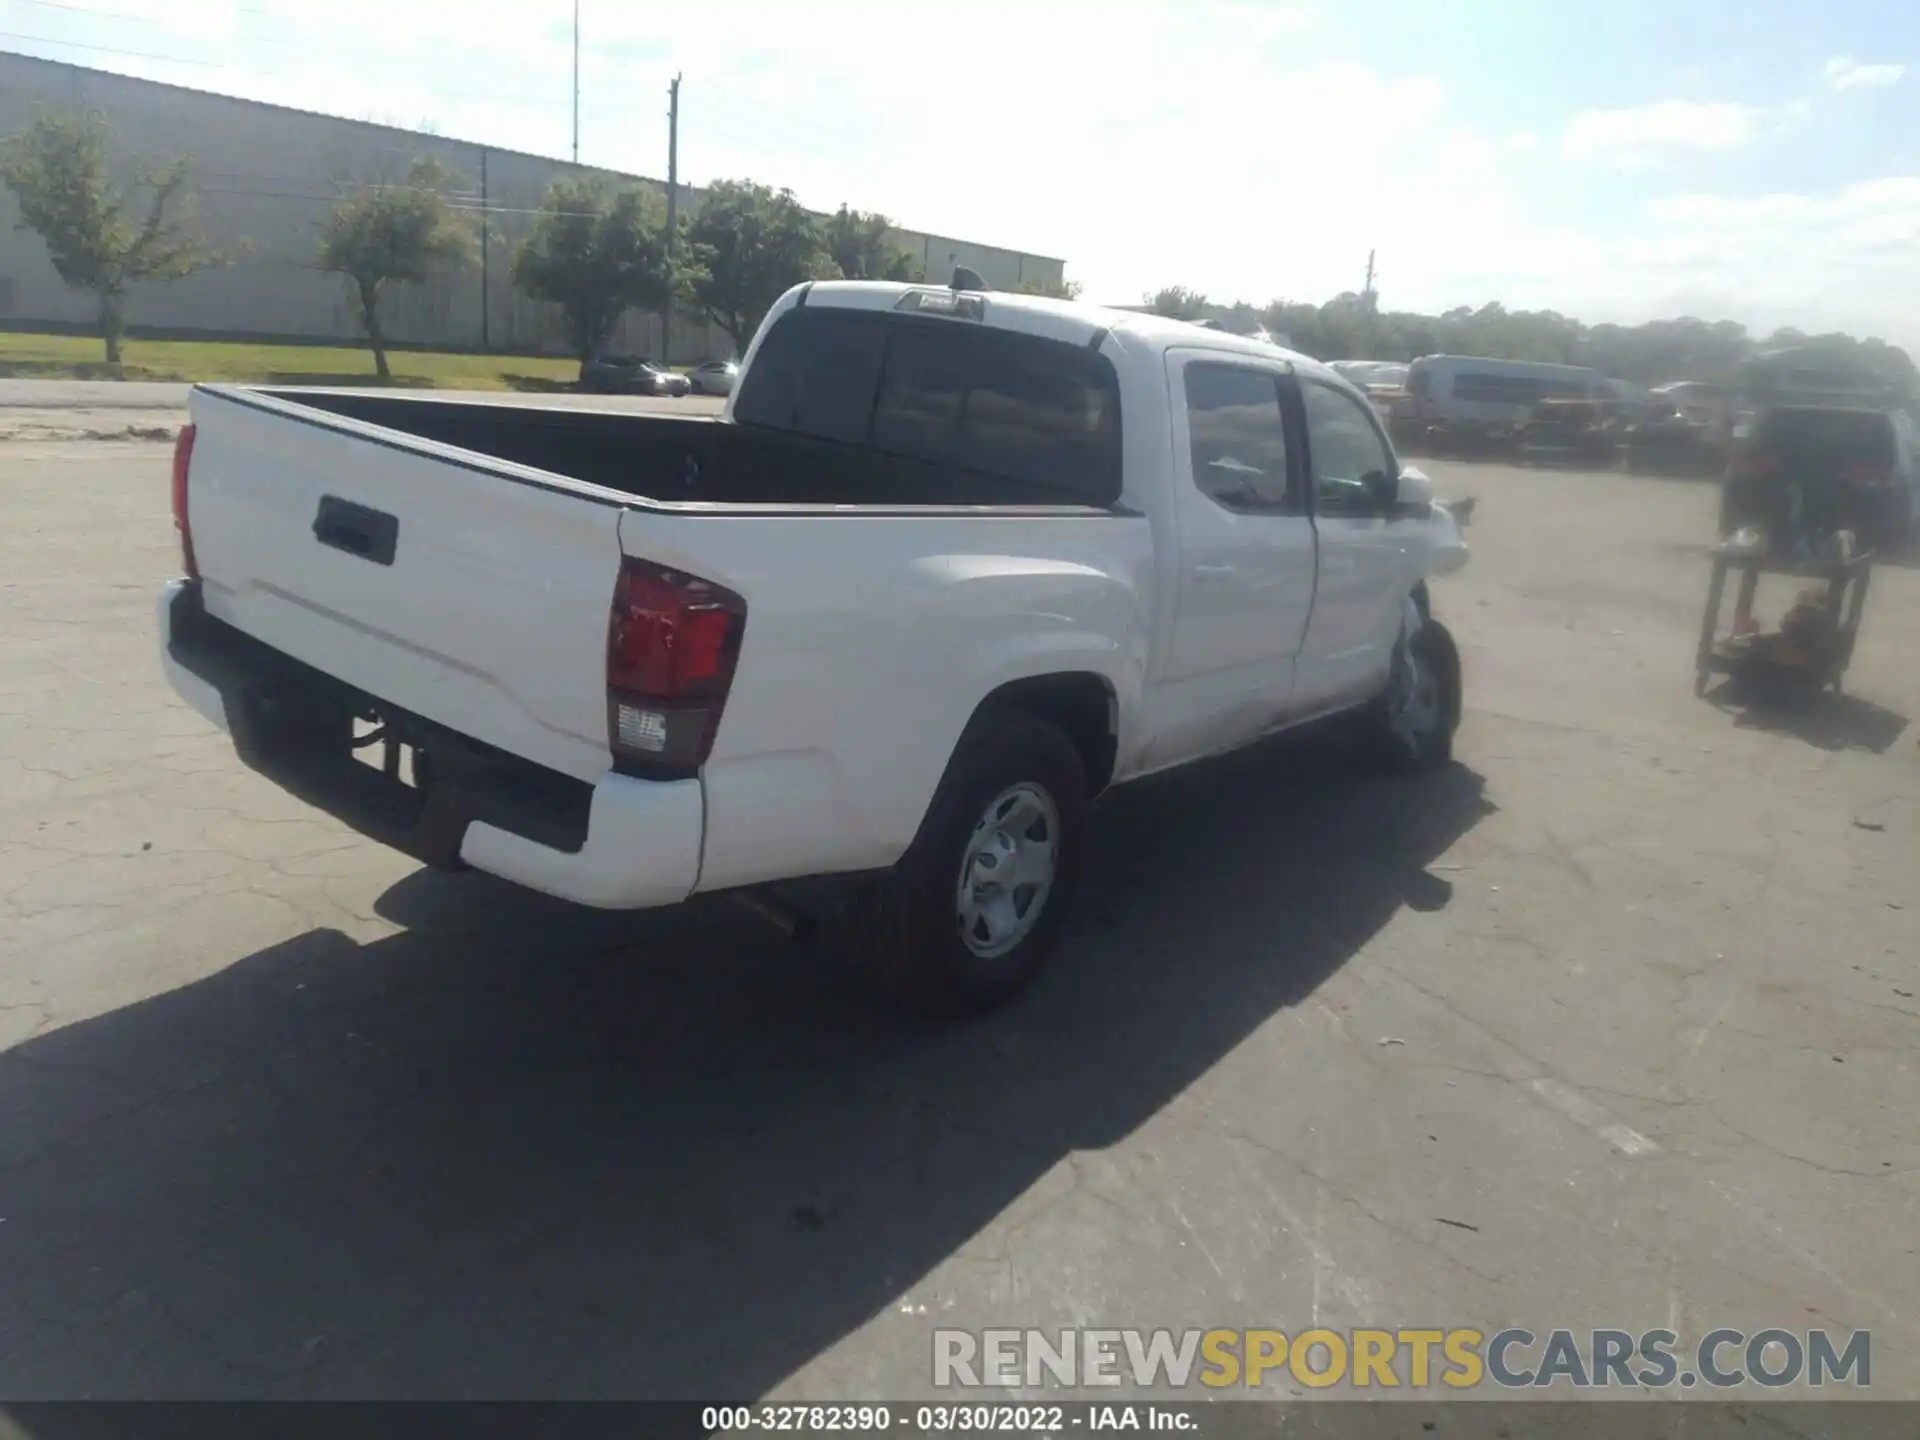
x=1446 y=548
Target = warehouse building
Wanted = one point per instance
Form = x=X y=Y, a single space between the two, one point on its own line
x=266 y=178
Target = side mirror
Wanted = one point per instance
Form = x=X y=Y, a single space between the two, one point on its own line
x=1378 y=489
x=1414 y=489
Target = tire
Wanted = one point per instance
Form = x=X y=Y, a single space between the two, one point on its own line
x=908 y=932
x=1398 y=745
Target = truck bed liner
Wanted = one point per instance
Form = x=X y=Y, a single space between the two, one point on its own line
x=678 y=458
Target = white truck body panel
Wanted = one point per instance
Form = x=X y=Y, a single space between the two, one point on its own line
x=868 y=644
x=492 y=618
x=872 y=634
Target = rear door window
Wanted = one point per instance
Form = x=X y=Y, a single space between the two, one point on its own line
x=1237 y=437
x=1040 y=417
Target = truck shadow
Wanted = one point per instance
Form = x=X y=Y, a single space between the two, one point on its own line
x=517 y=1150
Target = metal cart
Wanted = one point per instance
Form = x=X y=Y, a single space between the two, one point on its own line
x=1815 y=666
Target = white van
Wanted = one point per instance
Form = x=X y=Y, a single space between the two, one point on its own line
x=1489 y=399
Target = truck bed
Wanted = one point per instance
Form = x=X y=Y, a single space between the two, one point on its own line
x=672 y=458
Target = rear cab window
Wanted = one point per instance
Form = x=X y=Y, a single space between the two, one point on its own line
x=998 y=416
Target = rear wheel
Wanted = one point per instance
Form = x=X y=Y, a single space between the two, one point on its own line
x=966 y=918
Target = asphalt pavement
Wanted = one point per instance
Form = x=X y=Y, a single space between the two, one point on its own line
x=1612 y=1023
x=91 y=395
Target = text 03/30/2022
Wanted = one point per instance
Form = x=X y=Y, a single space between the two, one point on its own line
x=1380 y=1359
x=943 y=1418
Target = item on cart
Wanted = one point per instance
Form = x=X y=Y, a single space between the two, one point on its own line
x=1811 y=624
x=1841 y=545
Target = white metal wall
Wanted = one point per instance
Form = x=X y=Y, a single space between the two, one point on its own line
x=266 y=178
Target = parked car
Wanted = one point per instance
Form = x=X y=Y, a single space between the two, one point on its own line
x=716 y=377
x=1466 y=402
x=1578 y=431
x=1668 y=440
x=1366 y=372
x=1706 y=405
x=897 y=618
x=631 y=375
x=1804 y=468
x=1629 y=403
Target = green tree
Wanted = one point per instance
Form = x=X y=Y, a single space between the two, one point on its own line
x=751 y=244
x=103 y=236
x=1052 y=289
x=1350 y=326
x=1177 y=302
x=382 y=234
x=860 y=242
x=597 y=251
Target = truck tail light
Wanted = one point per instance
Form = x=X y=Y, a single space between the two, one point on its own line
x=672 y=642
x=1752 y=464
x=1868 y=475
x=182 y=462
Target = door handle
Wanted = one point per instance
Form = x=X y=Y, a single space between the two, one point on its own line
x=1205 y=573
x=357 y=529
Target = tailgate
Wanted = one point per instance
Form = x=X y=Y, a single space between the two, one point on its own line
x=471 y=592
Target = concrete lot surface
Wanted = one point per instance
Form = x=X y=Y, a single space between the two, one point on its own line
x=1611 y=1024
x=92 y=395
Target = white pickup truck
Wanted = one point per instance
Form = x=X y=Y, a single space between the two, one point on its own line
x=951 y=564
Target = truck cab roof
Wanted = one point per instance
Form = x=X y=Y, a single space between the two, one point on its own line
x=1070 y=320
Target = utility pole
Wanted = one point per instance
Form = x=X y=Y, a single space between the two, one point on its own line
x=486 y=251
x=1367 y=293
x=673 y=211
x=576 y=82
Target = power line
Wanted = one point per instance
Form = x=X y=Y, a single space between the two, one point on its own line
x=108 y=50
x=360 y=57
x=742 y=118
x=94 y=14
x=745 y=118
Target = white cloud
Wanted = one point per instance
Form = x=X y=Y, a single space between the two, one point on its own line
x=1144 y=153
x=1843 y=72
x=205 y=20
x=1846 y=259
x=1645 y=132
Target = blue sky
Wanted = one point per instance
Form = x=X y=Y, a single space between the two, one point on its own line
x=1757 y=161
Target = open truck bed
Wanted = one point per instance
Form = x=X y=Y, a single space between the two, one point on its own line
x=951 y=565
x=670 y=459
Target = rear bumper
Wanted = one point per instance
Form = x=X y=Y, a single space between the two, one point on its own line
x=616 y=844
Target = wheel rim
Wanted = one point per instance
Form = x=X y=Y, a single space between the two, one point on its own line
x=1008 y=870
x=1413 y=708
